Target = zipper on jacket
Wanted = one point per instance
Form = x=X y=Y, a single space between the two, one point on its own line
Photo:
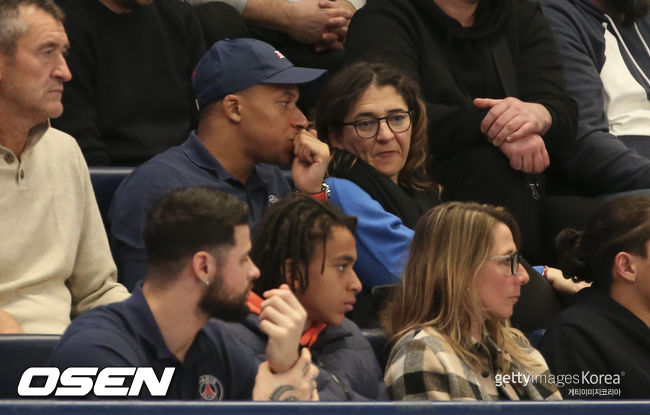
x=343 y=387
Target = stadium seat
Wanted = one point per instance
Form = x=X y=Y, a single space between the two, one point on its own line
x=19 y=352
x=378 y=339
x=105 y=181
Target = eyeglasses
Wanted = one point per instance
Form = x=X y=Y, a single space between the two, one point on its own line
x=368 y=127
x=513 y=260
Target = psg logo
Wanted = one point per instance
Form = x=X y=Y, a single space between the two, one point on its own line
x=210 y=388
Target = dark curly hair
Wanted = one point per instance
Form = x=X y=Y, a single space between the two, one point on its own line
x=293 y=229
x=619 y=225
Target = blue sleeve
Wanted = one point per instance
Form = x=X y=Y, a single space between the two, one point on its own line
x=382 y=239
x=598 y=159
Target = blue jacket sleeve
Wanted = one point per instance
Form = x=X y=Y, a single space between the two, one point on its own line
x=598 y=159
x=382 y=238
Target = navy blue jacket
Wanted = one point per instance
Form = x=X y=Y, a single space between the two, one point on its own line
x=348 y=368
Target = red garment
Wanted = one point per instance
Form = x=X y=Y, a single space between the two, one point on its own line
x=309 y=336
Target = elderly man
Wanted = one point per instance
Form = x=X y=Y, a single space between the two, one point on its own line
x=55 y=258
x=249 y=122
x=199 y=267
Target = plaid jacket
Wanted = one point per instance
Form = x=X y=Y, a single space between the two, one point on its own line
x=423 y=366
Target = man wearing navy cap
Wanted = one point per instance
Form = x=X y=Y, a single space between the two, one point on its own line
x=249 y=123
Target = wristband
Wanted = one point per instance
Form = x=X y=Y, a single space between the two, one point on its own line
x=324 y=193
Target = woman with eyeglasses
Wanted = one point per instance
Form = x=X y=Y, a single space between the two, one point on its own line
x=450 y=315
x=374 y=119
x=372 y=116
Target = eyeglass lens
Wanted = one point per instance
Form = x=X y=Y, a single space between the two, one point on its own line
x=369 y=127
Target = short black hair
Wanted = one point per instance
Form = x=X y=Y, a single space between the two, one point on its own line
x=185 y=221
x=291 y=229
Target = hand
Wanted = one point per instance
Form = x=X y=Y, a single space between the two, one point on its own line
x=296 y=384
x=8 y=324
x=311 y=19
x=337 y=27
x=527 y=154
x=282 y=319
x=310 y=163
x=565 y=285
x=511 y=119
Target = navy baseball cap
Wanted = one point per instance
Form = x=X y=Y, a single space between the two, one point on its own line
x=233 y=65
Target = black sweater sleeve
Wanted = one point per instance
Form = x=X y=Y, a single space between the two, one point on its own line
x=540 y=78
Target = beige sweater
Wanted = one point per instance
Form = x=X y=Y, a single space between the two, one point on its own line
x=55 y=262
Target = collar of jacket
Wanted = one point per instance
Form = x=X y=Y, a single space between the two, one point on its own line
x=309 y=336
x=589 y=8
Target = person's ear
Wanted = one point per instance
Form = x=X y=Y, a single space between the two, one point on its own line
x=204 y=266
x=231 y=105
x=625 y=266
x=336 y=141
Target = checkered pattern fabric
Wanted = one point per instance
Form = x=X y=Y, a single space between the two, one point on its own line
x=423 y=366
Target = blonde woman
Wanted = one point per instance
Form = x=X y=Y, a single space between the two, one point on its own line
x=450 y=315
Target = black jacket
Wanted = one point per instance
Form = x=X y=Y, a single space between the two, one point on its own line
x=597 y=335
x=509 y=51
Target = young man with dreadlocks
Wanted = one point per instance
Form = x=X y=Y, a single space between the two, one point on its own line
x=309 y=245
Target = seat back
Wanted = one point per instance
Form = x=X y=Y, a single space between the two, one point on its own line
x=105 y=181
x=19 y=352
x=378 y=339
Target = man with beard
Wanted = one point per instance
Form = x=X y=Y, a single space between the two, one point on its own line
x=607 y=70
x=131 y=60
x=198 y=268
